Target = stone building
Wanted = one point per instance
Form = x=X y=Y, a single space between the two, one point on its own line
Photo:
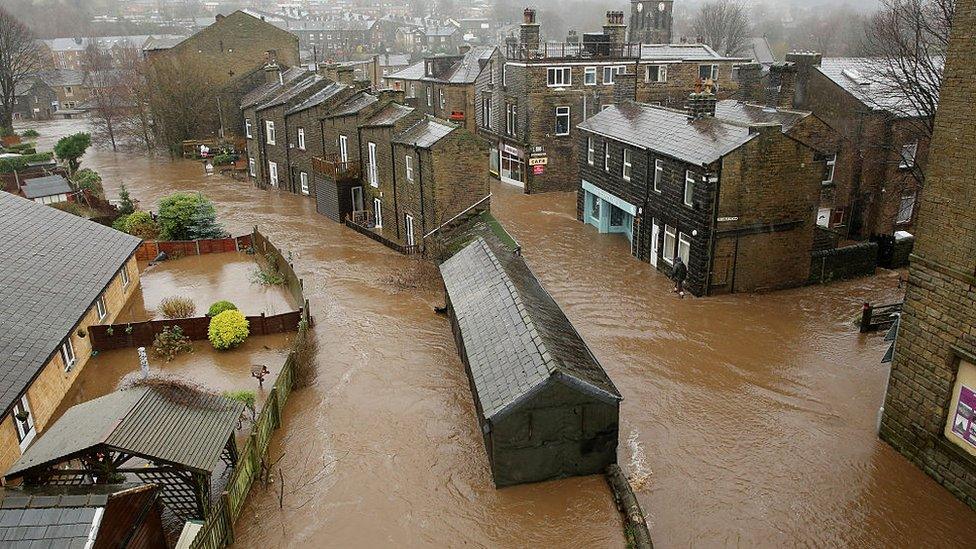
x=547 y=89
x=735 y=200
x=651 y=21
x=44 y=342
x=454 y=87
x=546 y=408
x=34 y=99
x=929 y=408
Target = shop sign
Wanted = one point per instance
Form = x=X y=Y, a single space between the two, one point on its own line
x=538 y=170
x=726 y=219
x=538 y=161
x=511 y=150
x=964 y=424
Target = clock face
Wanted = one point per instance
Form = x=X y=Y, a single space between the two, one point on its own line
x=640 y=8
x=661 y=6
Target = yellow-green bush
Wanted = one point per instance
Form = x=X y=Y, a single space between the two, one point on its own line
x=228 y=330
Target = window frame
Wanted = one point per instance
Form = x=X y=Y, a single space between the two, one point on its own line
x=378 y=213
x=566 y=79
x=713 y=71
x=590 y=151
x=101 y=308
x=124 y=272
x=658 y=175
x=628 y=169
x=684 y=240
x=252 y=167
x=269 y=133
x=606 y=155
x=899 y=218
x=430 y=96
x=688 y=197
x=303 y=183
x=374 y=179
x=408 y=167
x=568 y=114
x=613 y=71
x=831 y=165
x=589 y=72
x=273 y=173
x=442 y=99
x=668 y=254
x=662 y=74
x=68 y=356
x=248 y=133
x=344 y=149
x=511 y=119
x=24 y=437
x=908 y=161
x=301 y=139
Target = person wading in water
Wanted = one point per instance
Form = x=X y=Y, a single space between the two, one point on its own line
x=679 y=275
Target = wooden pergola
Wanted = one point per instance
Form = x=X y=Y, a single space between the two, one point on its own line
x=174 y=438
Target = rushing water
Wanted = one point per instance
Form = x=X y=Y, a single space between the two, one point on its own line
x=748 y=420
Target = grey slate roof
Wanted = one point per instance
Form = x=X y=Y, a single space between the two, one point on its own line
x=268 y=89
x=746 y=114
x=425 y=133
x=759 y=50
x=515 y=335
x=62 y=77
x=412 y=72
x=46 y=186
x=668 y=132
x=354 y=104
x=869 y=81
x=292 y=90
x=318 y=98
x=186 y=430
x=53 y=266
x=388 y=115
x=464 y=72
x=680 y=52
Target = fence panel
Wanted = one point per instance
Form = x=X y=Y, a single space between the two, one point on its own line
x=141 y=334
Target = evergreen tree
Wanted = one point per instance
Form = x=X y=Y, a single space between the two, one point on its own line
x=126 y=206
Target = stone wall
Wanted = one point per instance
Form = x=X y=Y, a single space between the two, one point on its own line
x=842 y=263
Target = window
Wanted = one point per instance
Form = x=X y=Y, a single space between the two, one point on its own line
x=628 y=166
x=606 y=155
x=430 y=96
x=689 y=188
x=511 y=119
x=684 y=247
x=24 y=422
x=68 y=355
x=670 y=245
x=595 y=207
x=273 y=172
x=831 y=164
x=343 y=149
x=908 y=153
x=562 y=120
x=559 y=76
x=301 y=138
x=505 y=74
x=442 y=100
x=303 y=178
x=100 y=307
x=408 y=229
x=413 y=90
x=269 y=131
x=491 y=73
x=374 y=179
x=735 y=72
x=486 y=111
x=590 y=152
x=247 y=128
x=251 y=168
x=589 y=76
x=708 y=72
x=378 y=212
x=906 y=208
x=125 y=275
x=610 y=72
x=656 y=73
x=658 y=175
x=408 y=162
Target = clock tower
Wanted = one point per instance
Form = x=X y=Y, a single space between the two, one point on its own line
x=651 y=21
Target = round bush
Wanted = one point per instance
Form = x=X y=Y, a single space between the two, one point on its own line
x=228 y=330
x=219 y=307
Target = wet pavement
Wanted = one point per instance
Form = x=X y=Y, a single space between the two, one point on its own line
x=748 y=420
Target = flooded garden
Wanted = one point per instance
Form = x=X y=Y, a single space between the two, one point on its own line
x=747 y=420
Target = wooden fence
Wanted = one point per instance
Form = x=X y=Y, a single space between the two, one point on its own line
x=282 y=262
x=142 y=334
x=149 y=249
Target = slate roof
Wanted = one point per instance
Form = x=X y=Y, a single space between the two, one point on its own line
x=516 y=337
x=681 y=52
x=393 y=59
x=759 y=50
x=746 y=114
x=354 y=104
x=291 y=90
x=388 y=115
x=670 y=132
x=869 y=81
x=46 y=186
x=425 y=133
x=62 y=77
x=162 y=42
x=186 y=430
x=53 y=266
x=266 y=90
x=318 y=98
x=412 y=72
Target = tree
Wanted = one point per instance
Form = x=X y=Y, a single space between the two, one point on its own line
x=71 y=148
x=19 y=57
x=177 y=93
x=126 y=206
x=186 y=216
x=723 y=25
x=90 y=181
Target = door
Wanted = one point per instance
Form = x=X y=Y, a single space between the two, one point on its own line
x=343 y=149
x=273 y=172
x=357 y=199
x=378 y=212
x=655 y=230
x=409 y=229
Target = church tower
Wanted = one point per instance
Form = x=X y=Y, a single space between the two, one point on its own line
x=651 y=21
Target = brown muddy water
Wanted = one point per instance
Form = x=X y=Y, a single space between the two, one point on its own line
x=747 y=421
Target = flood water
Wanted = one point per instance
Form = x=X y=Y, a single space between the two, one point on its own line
x=747 y=421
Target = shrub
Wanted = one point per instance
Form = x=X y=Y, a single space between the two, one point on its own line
x=126 y=206
x=17 y=163
x=71 y=148
x=188 y=216
x=177 y=307
x=89 y=180
x=142 y=224
x=247 y=398
x=121 y=223
x=228 y=330
x=223 y=159
x=219 y=307
x=22 y=148
x=72 y=208
x=171 y=342
x=30 y=133
x=269 y=274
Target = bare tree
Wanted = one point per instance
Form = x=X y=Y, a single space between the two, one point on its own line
x=177 y=92
x=723 y=25
x=19 y=56
x=108 y=104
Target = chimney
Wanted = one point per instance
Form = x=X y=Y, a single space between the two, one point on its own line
x=390 y=95
x=615 y=30
x=572 y=37
x=219 y=17
x=805 y=63
x=345 y=75
x=624 y=88
x=701 y=105
x=529 y=34
x=750 y=82
x=782 y=85
x=272 y=70
x=463 y=49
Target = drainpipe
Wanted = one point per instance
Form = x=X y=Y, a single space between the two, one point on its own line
x=291 y=183
x=648 y=181
x=396 y=207
x=264 y=149
x=714 y=228
x=420 y=182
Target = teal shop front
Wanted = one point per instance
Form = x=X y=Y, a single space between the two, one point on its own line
x=608 y=213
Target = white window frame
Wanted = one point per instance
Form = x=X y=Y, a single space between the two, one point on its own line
x=408 y=163
x=374 y=179
x=662 y=74
x=909 y=152
x=24 y=435
x=684 y=242
x=590 y=151
x=125 y=276
x=511 y=118
x=606 y=155
x=713 y=71
x=486 y=111
x=504 y=74
x=68 y=356
x=303 y=182
x=252 y=167
x=559 y=77
x=100 y=307
x=658 y=175
x=408 y=230
x=610 y=73
x=343 y=149
x=905 y=215
x=443 y=100
x=831 y=160
x=668 y=252
x=689 y=191
x=269 y=131
x=430 y=96
x=247 y=128
x=378 y=213
x=301 y=139
x=273 y=173
x=628 y=170
x=589 y=76
x=560 y=112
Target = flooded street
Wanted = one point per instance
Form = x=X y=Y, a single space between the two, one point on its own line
x=746 y=421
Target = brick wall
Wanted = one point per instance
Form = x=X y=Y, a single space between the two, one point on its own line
x=936 y=337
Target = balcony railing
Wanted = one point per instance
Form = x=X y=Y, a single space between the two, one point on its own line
x=332 y=166
x=566 y=50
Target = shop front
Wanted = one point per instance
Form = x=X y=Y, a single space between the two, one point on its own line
x=608 y=213
x=508 y=163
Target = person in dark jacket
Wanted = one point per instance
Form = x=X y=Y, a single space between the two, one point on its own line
x=679 y=275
